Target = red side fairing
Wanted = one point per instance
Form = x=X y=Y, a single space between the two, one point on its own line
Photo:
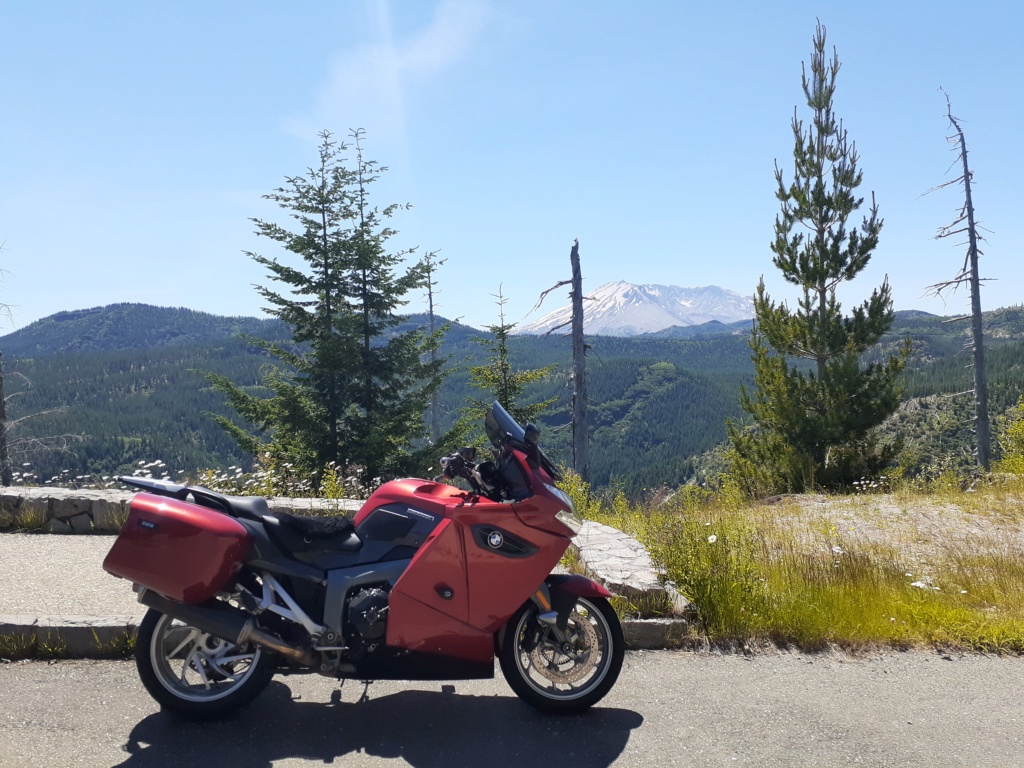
x=181 y=550
x=457 y=591
x=419 y=627
x=436 y=576
x=423 y=494
x=498 y=583
x=540 y=509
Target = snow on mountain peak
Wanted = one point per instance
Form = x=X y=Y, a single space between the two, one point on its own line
x=624 y=309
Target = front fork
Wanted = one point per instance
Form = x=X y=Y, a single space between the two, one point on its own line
x=556 y=598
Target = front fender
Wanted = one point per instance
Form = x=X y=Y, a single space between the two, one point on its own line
x=565 y=590
x=576 y=585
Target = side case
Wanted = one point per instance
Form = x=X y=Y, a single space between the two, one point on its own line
x=183 y=551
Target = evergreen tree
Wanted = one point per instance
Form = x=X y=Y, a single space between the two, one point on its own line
x=500 y=381
x=348 y=389
x=816 y=405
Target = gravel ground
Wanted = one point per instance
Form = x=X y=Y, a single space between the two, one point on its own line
x=51 y=575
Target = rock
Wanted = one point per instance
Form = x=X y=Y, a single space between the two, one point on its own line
x=57 y=526
x=617 y=561
x=108 y=515
x=9 y=502
x=81 y=523
x=64 y=507
x=680 y=605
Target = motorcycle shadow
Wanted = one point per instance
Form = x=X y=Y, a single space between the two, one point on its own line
x=427 y=729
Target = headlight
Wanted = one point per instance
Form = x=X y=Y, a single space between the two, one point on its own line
x=567 y=516
x=570 y=520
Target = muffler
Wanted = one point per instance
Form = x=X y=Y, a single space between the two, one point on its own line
x=225 y=621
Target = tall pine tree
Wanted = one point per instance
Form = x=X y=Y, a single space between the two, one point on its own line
x=349 y=390
x=500 y=381
x=816 y=403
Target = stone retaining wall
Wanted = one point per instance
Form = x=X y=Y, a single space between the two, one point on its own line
x=609 y=556
x=66 y=510
x=63 y=510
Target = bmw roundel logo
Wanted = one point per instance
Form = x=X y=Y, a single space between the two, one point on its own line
x=495 y=539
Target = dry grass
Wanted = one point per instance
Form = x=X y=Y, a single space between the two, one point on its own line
x=923 y=534
x=939 y=567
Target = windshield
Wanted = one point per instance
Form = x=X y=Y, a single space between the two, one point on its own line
x=502 y=430
x=500 y=426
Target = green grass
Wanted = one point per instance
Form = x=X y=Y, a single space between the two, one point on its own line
x=815 y=572
x=37 y=645
x=31 y=646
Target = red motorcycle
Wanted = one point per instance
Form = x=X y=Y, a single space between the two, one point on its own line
x=426 y=582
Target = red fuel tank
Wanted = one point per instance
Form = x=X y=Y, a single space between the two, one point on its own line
x=183 y=551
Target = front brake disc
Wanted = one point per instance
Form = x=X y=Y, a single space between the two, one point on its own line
x=565 y=666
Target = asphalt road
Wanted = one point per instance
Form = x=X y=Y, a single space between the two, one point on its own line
x=668 y=709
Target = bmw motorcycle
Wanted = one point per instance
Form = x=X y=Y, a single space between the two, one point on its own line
x=428 y=581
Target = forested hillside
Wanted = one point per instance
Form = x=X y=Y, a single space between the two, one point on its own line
x=125 y=383
x=130 y=326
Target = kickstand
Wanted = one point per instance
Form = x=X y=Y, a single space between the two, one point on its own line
x=366 y=692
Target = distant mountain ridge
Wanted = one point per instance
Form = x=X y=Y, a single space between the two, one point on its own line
x=128 y=326
x=625 y=309
x=126 y=380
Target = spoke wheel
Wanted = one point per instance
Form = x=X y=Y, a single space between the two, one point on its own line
x=566 y=675
x=194 y=673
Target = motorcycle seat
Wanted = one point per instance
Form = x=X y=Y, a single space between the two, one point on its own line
x=302 y=534
x=253 y=507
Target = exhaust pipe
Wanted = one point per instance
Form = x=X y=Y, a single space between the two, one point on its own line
x=222 y=620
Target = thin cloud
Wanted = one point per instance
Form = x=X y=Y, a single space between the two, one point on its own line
x=366 y=85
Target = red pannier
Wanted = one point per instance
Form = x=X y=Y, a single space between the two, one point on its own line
x=183 y=551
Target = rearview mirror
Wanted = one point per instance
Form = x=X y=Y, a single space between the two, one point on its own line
x=531 y=434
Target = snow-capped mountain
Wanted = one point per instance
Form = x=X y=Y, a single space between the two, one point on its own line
x=624 y=309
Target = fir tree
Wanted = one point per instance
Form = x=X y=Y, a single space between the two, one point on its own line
x=348 y=390
x=816 y=405
x=500 y=381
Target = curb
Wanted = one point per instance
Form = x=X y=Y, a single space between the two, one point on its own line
x=67 y=637
x=105 y=637
x=656 y=634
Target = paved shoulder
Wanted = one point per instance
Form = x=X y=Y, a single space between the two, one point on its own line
x=913 y=710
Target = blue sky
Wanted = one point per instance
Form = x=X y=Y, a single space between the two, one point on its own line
x=138 y=138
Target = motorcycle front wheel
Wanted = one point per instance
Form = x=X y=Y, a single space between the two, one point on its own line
x=563 y=676
x=195 y=674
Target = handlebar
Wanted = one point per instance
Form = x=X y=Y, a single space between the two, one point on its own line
x=457 y=465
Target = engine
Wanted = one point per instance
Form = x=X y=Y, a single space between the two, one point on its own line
x=366 y=620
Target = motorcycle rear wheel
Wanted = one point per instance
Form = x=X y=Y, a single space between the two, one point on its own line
x=195 y=674
x=569 y=677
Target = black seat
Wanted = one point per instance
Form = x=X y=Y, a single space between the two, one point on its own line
x=249 y=506
x=307 y=535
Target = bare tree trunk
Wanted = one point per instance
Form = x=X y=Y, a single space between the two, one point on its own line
x=980 y=386
x=580 y=425
x=969 y=274
x=6 y=473
x=435 y=428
